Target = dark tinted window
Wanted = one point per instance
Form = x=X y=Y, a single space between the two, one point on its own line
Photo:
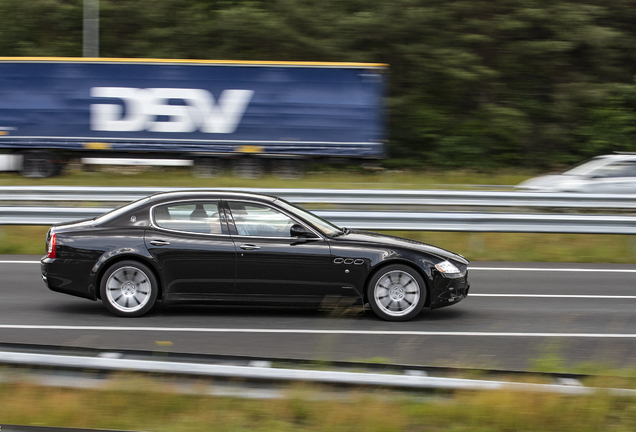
x=617 y=169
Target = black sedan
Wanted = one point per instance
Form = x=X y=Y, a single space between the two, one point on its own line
x=227 y=248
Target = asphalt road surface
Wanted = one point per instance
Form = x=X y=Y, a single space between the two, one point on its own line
x=516 y=314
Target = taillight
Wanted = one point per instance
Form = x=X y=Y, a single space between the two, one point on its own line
x=51 y=246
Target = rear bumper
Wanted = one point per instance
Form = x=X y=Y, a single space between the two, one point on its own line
x=67 y=277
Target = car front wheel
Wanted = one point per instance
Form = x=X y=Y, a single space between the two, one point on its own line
x=396 y=293
x=129 y=289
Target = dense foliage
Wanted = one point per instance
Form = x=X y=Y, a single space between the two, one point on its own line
x=473 y=83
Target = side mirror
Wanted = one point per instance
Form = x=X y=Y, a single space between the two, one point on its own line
x=297 y=230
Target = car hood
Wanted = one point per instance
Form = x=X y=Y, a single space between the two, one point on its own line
x=546 y=182
x=387 y=240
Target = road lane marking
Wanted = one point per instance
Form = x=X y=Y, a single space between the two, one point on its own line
x=574 y=296
x=310 y=331
x=19 y=262
x=582 y=270
x=164 y=343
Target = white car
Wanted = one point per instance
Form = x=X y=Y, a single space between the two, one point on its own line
x=615 y=173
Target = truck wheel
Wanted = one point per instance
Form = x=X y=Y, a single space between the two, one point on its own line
x=288 y=169
x=207 y=168
x=248 y=168
x=39 y=165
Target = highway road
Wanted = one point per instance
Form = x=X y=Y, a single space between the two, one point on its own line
x=516 y=313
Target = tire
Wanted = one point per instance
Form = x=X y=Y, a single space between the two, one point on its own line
x=207 y=168
x=248 y=168
x=129 y=289
x=288 y=169
x=396 y=293
x=38 y=164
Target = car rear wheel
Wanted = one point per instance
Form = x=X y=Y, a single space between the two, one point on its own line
x=129 y=288
x=396 y=293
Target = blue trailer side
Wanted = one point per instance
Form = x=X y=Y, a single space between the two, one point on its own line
x=192 y=109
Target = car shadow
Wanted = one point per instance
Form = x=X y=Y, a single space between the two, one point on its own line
x=246 y=311
x=354 y=313
x=441 y=314
x=80 y=308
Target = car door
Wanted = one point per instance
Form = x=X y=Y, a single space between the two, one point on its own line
x=271 y=264
x=191 y=242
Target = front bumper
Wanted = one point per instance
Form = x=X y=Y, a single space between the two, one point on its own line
x=447 y=291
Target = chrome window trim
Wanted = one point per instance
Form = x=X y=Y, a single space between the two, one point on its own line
x=228 y=218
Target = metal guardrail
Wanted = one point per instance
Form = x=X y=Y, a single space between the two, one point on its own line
x=396 y=209
x=256 y=373
x=47 y=215
x=388 y=221
x=369 y=197
x=484 y=222
x=31 y=428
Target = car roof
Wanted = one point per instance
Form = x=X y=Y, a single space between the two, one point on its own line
x=618 y=156
x=209 y=194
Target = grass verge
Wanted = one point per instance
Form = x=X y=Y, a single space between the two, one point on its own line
x=150 y=405
x=324 y=178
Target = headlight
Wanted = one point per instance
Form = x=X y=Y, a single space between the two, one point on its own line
x=447 y=269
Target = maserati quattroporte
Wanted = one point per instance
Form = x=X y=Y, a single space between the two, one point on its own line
x=227 y=248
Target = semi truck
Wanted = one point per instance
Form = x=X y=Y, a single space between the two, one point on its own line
x=210 y=115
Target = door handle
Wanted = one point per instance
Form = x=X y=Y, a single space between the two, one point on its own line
x=249 y=247
x=159 y=243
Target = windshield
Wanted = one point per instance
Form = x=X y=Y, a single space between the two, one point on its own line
x=121 y=210
x=587 y=167
x=327 y=228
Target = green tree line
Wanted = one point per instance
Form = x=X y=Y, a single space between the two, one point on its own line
x=473 y=83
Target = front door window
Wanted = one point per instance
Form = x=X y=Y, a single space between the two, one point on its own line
x=259 y=220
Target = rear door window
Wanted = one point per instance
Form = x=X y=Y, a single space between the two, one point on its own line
x=201 y=217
